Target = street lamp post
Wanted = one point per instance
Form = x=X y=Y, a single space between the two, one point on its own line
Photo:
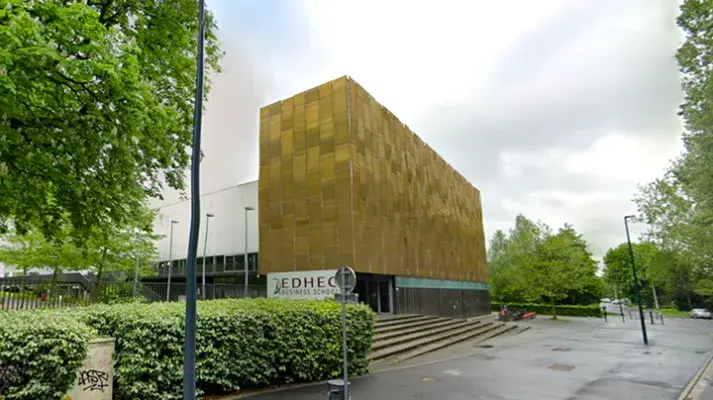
x=644 y=287
x=245 y=285
x=170 y=260
x=636 y=280
x=205 y=247
x=136 y=273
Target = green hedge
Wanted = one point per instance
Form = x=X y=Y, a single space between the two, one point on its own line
x=546 y=309
x=40 y=354
x=240 y=343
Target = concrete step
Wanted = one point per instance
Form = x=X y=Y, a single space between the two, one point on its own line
x=478 y=335
x=394 y=317
x=401 y=320
x=413 y=344
x=520 y=329
x=413 y=328
x=404 y=324
x=422 y=333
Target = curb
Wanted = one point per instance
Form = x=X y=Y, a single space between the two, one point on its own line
x=689 y=392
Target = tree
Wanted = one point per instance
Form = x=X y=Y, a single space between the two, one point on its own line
x=97 y=108
x=619 y=273
x=679 y=206
x=563 y=265
x=532 y=264
x=102 y=254
x=32 y=250
x=694 y=169
x=509 y=255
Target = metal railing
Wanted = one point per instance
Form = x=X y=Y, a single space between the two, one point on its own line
x=213 y=291
x=32 y=293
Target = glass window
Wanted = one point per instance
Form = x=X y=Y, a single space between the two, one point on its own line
x=240 y=262
x=230 y=263
x=219 y=262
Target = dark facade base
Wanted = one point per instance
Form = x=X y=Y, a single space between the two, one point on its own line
x=454 y=303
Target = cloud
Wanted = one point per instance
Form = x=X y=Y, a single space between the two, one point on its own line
x=555 y=109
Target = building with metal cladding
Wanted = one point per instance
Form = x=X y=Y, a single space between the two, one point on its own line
x=344 y=182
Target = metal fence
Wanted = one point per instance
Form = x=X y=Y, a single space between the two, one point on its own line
x=33 y=293
x=178 y=291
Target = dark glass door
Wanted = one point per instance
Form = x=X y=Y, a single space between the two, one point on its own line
x=372 y=292
x=384 y=297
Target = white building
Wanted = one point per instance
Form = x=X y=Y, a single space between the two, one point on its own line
x=226 y=239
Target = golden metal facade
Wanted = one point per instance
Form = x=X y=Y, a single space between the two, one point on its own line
x=343 y=182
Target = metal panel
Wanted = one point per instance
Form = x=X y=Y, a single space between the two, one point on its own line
x=361 y=189
x=456 y=303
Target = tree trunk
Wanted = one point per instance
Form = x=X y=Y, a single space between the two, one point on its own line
x=688 y=299
x=100 y=277
x=554 y=310
x=53 y=282
x=22 y=280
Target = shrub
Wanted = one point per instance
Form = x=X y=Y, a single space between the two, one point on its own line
x=239 y=343
x=546 y=309
x=40 y=354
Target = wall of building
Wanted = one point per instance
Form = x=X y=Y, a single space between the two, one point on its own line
x=305 y=196
x=415 y=214
x=343 y=182
x=444 y=298
x=226 y=231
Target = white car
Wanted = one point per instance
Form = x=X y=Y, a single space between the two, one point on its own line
x=701 y=313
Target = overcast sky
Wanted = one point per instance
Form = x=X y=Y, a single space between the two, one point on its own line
x=554 y=109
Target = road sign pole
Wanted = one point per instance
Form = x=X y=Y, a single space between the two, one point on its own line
x=346 y=281
x=344 y=350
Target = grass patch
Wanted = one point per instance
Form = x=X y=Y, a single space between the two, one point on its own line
x=672 y=312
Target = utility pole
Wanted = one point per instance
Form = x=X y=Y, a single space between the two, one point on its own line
x=636 y=280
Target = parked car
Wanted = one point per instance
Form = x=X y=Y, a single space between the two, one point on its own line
x=700 y=313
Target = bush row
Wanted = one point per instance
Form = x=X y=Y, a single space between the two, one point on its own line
x=239 y=343
x=40 y=354
x=573 y=311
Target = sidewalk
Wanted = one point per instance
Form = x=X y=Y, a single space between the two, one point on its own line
x=576 y=358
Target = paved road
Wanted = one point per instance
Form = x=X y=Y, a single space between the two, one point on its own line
x=582 y=359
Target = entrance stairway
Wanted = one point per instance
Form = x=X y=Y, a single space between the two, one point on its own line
x=400 y=337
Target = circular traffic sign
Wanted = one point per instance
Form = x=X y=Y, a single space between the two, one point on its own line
x=345 y=278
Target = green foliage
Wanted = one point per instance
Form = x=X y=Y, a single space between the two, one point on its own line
x=618 y=271
x=240 y=343
x=679 y=206
x=117 y=253
x=510 y=255
x=25 y=252
x=42 y=351
x=97 y=108
x=563 y=265
x=546 y=309
x=120 y=293
x=672 y=312
x=532 y=264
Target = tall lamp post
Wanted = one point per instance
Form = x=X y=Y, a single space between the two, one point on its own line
x=205 y=247
x=636 y=280
x=138 y=261
x=189 y=349
x=245 y=285
x=170 y=260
